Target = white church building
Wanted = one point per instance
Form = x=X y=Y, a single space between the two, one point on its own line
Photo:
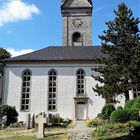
x=58 y=80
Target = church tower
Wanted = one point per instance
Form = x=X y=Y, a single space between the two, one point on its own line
x=77 y=22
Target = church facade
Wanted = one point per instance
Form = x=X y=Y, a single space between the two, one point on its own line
x=58 y=80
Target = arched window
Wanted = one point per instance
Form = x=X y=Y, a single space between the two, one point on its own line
x=77 y=39
x=80 y=81
x=52 y=90
x=26 y=89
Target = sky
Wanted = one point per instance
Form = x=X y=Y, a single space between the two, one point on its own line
x=29 y=25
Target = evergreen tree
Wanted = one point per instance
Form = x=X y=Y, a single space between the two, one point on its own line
x=3 y=55
x=120 y=64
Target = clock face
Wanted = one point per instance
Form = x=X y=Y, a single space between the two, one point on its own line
x=77 y=22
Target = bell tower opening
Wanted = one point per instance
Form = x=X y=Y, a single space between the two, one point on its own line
x=77 y=39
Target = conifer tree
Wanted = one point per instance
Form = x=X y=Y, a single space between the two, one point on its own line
x=120 y=64
x=3 y=55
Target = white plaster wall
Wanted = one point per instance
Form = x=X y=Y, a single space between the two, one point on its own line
x=66 y=89
x=96 y=102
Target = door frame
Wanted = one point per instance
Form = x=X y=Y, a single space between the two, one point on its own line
x=85 y=100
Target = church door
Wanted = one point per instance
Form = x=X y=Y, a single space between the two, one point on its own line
x=81 y=111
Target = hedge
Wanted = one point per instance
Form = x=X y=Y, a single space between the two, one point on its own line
x=123 y=115
x=10 y=112
x=107 y=110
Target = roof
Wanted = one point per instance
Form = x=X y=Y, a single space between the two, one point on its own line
x=60 y=54
x=63 y=1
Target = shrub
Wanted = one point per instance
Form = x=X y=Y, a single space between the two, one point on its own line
x=56 y=120
x=112 y=129
x=136 y=104
x=134 y=124
x=100 y=115
x=134 y=114
x=10 y=112
x=17 y=125
x=129 y=104
x=123 y=116
x=107 y=110
x=134 y=127
x=119 y=107
x=120 y=115
x=93 y=122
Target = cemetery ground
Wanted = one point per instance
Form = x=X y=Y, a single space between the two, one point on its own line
x=50 y=134
x=118 y=131
x=121 y=123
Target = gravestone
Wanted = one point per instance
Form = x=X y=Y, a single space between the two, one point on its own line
x=28 y=118
x=32 y=121
x=41 y=120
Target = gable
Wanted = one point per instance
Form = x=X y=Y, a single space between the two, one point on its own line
x=77 y=3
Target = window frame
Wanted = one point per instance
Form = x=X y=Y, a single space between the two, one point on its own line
x=24 y=89
x=52 y=95
x=80 y=82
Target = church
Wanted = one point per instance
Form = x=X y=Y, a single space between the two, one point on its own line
x=58 y=80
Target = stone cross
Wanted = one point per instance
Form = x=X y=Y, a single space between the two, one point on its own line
x=41 y=120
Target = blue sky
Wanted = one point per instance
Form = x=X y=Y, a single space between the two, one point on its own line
x=38 y=23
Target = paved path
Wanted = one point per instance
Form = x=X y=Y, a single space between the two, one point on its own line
x=81 y=132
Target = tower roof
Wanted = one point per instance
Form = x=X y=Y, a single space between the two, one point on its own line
x=63 y=1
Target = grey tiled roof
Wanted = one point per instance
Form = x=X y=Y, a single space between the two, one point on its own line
x=61 y=54
x=63 y=1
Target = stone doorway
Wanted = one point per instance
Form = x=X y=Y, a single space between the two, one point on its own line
x=81 y=110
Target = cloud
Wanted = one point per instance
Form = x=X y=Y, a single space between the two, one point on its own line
x=15 y=10
x=19 y=52
x=9 y=32
x=100 y=9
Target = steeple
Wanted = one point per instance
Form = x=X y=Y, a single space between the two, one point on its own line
x=77 y=22
x=63 y=1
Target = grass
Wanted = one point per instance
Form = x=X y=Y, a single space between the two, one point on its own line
x=12 y=135
x=16 y=132
x=57 y=133
x=49 y=137
x=54 y=133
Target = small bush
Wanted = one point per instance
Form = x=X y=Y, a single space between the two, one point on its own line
x=123 y=116
x=134 y=115
x=56 y=120
x=134 y=127
x=17 y=125
x=136 y=104
x=100 y=115
x=107 y=110
x=112 y=129
x=120 y=115
x=119 y=107
x=134 y=124
x=129 y=104
x=93 y=122
x=10 y=112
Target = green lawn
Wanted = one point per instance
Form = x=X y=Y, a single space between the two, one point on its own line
x=54 y=137
x=60 y=134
